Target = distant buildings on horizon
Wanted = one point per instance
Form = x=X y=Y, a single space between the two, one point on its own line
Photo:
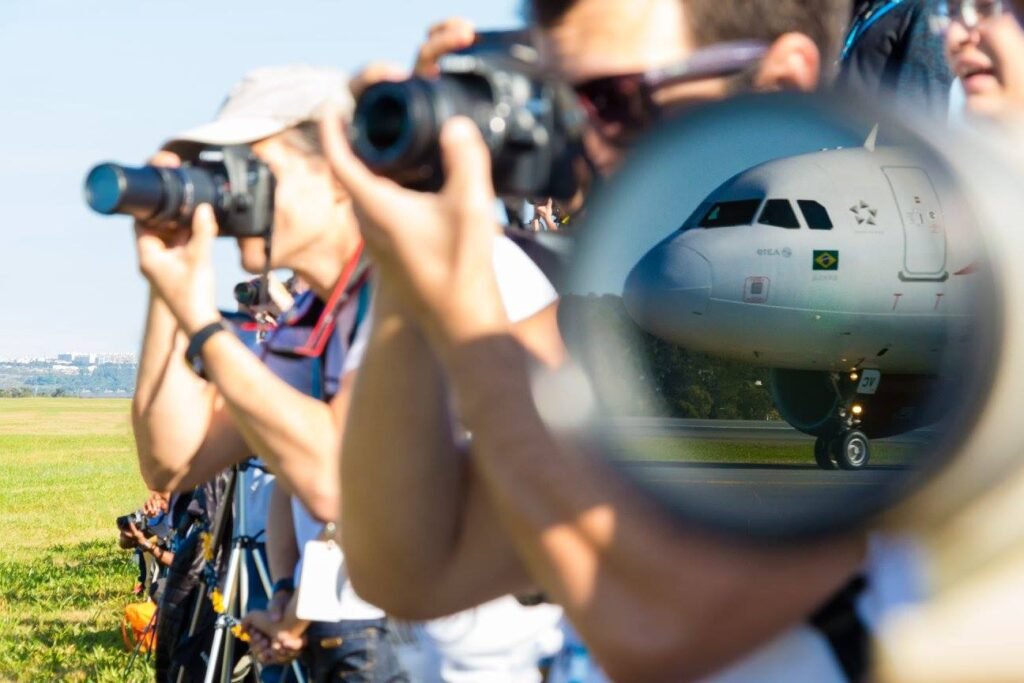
x=81 y=360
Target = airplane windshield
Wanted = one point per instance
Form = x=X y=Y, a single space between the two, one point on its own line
x=779 y=212
x=728 y=214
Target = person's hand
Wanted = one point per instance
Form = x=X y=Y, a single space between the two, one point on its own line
x=375 y=72
x=443 y=38
x=544 y=217
x=136 y=535
x=180 y=270
x=126 y=539
x=435 y=250
x=155 y=504
x=273 y=641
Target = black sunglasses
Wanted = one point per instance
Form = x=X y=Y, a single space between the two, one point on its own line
x=627 y=100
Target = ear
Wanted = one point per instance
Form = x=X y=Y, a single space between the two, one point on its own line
x=793 y=62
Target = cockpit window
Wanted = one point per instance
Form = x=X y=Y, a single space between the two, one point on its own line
x=815 y=214
x=779 y=212
x=694 y=219
x=728 y=214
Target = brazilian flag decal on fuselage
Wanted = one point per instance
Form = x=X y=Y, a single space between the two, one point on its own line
x=826 y=260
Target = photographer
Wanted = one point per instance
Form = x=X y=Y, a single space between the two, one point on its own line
x=649 y=597
x=155 y=516
x=289 y=406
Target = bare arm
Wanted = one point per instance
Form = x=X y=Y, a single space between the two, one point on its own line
x=179 y=437
x=653 y=599
x=419 y=540
x=297 y=435
x=282 y=548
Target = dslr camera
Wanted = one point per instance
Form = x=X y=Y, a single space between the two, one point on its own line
x=138 y=518
x=531 y=123
x=238 y=186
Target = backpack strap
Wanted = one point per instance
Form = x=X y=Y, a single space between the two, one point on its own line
x=840 y=624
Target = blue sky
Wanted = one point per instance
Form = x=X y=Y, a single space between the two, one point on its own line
x=87 y=81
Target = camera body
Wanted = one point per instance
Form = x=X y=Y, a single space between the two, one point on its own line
x=138 y=518
x=531 y=123
x=238 y=186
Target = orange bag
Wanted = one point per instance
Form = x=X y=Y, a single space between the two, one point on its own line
x=138 y=627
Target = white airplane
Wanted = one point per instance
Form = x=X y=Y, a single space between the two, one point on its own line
x=842 y=271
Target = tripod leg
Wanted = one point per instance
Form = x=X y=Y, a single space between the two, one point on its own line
x=230 y=582
x=217 y=536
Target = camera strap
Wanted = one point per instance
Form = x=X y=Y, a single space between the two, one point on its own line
x=355 y=275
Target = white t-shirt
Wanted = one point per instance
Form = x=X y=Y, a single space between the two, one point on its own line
x=498 y=642
x=478 y=656
x=895 y=577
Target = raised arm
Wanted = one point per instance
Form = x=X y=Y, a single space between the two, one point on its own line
x=243 y=409
x=419 y=537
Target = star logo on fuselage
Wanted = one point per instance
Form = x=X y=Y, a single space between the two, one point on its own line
x=864 y=213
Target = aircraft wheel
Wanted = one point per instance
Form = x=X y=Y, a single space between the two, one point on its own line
x=822 y=456
x=852 y=450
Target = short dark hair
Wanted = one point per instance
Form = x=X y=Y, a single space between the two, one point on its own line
x=715 y=21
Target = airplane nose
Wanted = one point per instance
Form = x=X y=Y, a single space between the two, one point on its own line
x=667 y=288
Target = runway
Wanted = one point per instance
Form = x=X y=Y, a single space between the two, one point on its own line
x=763 y=431
x=752 y=493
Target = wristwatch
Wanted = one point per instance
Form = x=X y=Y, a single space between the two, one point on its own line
x=198 y=340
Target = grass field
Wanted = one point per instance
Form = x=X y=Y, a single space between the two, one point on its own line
x=693 y=450
x=67 y=469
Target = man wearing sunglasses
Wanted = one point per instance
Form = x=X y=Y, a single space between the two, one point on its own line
x=432 y=527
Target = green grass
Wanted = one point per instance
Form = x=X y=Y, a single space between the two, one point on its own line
x=67 y=469
x=689 y=450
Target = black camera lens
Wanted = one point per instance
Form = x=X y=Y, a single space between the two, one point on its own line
x=171 y=194
x=247 y=293
x=112 y=189
x=396 y=127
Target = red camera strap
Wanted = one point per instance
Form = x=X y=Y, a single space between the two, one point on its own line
x=318 y=338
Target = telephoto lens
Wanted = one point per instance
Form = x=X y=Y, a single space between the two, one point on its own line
x=239 y=187
x=150 y=192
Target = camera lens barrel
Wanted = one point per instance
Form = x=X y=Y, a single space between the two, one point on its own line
x=396 y=126
x=149 y=192
x=247 y=293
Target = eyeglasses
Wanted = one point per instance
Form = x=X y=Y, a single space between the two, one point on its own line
x=969 y=13
x=627 y=100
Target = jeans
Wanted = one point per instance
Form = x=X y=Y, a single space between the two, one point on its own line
x=354 y=651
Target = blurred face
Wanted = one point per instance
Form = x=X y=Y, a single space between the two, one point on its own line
x=312 y=215
x=609 y=51
x=987 y=55
x=599 y=38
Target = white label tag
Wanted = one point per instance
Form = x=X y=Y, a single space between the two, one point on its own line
x=319 y=589
x=869 y=382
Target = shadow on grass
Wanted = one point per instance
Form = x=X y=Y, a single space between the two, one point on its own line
x=60 y=614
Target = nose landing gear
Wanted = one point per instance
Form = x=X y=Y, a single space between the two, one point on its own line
x=847 y=447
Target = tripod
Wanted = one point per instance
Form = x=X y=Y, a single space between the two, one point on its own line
x=236 y=579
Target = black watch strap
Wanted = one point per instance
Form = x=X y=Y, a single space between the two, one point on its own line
x=199 y=339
